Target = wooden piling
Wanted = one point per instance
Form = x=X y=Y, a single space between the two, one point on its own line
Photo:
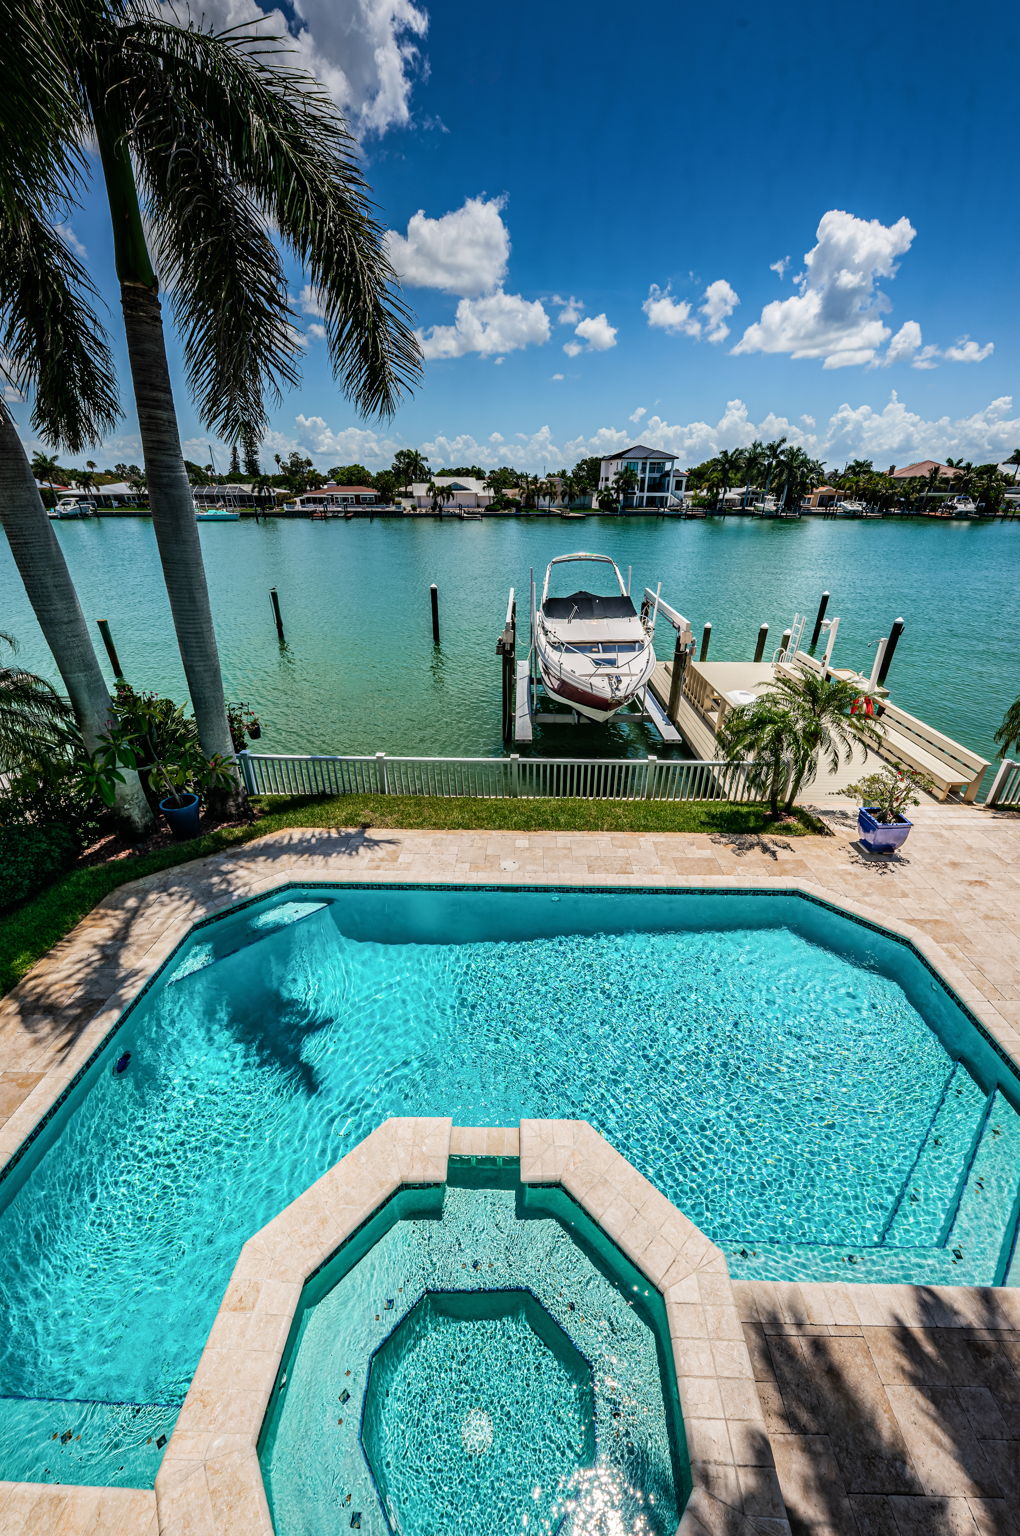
x=434 y=595
x=111 y=649
x=274 y=598
x=819 y=616
x=676 y=678
x=763 y=634
x=784 y=644
x=706 y=635
x=894 y=635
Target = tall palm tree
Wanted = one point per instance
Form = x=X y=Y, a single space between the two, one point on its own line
x=1014 y=458
x=51 y=338
x=826 y=724
x=728 y=464
x=753 y=466
x=222 y=140
x=410 y=467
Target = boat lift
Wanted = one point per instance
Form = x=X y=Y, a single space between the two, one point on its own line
x=521 y=683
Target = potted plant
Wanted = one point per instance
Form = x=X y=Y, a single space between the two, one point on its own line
x=172 y=762
x=884 y=797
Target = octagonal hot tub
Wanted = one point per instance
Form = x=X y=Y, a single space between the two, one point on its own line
x=478 y=1357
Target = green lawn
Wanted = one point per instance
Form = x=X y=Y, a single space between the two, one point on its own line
x=27 y=933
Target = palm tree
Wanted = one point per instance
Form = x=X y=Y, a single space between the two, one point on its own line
x=826 y=726
x=222 y=139
x=765 y=736
x=1007 y=737
x=1014 y=458
x=753 y=466
x=728 y=464
x=52 y=339
x=33 y=716
x=625 y=483
x=410 y=467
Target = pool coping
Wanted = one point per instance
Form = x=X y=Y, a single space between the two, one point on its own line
x=210 y=1481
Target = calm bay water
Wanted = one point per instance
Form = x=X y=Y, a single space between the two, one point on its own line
x=359 y=673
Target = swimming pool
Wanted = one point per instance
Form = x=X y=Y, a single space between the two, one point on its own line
x=800 y=1084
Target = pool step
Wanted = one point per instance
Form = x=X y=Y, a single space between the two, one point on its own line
x=67 y=1441
x=932 y=1190
x=982 y=1230
x=263 y=925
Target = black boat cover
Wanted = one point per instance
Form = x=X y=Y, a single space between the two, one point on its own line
x=587 y=605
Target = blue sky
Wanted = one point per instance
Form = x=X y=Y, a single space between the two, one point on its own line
x=795 y=218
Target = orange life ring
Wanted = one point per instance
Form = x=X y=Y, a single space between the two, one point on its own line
x=863 y=703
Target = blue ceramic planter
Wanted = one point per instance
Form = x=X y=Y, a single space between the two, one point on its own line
x=183 y=819
x=882 y=836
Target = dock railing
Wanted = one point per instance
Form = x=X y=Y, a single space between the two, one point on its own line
x=1004 y=793
x=496 y=778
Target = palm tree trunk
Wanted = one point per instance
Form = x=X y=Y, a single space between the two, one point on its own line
x=170 y=498
x=51 y=592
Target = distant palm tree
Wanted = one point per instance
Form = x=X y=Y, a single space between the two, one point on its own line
x=224 y=141
x=410 y=467
x=1014 y=458
x=728 y=466
x=45 y=468
x=625 y=483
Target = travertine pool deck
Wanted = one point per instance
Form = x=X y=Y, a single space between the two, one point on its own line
x=927 y=1383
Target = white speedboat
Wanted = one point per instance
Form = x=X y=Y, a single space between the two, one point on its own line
x=851 y=508
x=594 y=651
x=70 y=505
x=962 y=506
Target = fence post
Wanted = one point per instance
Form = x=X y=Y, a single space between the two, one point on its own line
x=651 y=774
x=243 y=761
x=991 y=799
x=380 y=772
x=515 y=773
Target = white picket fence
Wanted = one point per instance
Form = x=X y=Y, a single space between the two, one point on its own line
x=495 y=778
x=1005 y=790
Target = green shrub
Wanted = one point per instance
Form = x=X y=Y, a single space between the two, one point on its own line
x=31 y=857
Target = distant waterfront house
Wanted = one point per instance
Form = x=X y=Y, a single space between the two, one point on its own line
x=116 y=497
x=468 y=493
x=337 y=498
x=659 y=482
x=922 y=470
x=821 y=496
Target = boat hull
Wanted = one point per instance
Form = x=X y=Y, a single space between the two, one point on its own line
x=595 y=706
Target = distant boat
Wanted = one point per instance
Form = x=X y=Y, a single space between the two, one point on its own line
x=595 y=652
x=578 y=516
x=469 y=517
x=851 y=508
x=962 y=506
x=218 y=515
x=70 y=505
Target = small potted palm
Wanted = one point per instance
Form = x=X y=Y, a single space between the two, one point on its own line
x=884 y=797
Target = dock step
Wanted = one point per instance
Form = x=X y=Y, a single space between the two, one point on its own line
x=930 y=1194
x=523 y=728
x=981 y=1235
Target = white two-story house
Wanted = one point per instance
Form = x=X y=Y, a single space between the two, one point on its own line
x=659 y=483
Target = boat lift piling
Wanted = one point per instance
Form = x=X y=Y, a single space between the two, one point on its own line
x=819 y=616
x=274 y=598
x=887 y=655
x=506 y=647
x=434 y=596
x=706 y=637
x=763 y=634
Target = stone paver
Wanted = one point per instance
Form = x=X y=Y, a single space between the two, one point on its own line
x=929 y=1447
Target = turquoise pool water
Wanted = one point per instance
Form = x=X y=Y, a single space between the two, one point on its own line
x=478 y=1354
x=798 y=1083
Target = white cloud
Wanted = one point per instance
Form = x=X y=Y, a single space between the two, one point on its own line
x=498 y=322
x=310 y=301
x=904 y=344
x=572 y=348
x=669 y=314
x=570 y=309
x=557 y=378
x=68 y=235
x=779 y=267
x=718 y=302
x=967 y=351
x=317 y=331
x=636 y=416
x=366 y=53
x=837 y=315
x=597 y=333
x=463 y=252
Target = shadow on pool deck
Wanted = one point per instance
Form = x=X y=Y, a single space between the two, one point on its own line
x=900 y=1430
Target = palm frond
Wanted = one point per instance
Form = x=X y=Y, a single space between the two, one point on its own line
x=34 y=719
x=275 y=134
x=53 y=339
